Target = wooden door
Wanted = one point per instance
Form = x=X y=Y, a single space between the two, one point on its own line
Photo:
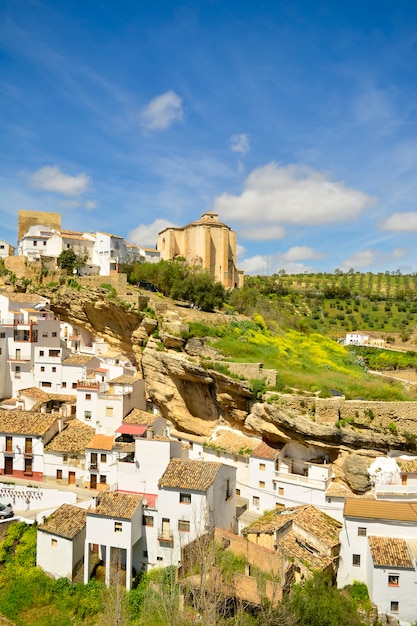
x=93 y=481
x=8 y=465
x=71 y=478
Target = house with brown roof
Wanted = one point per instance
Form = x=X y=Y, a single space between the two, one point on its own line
x=23 y=436
x=114 y=525
x=64 y=455
x=378 y=547
x=60 y=542
x=193 y=497
x=304 y=535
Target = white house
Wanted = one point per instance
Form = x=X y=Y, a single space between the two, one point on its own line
x=383 y=566
x=60 y=542
x=115 y=526
x=356 y=338
x=64 y=455
x=5 y=249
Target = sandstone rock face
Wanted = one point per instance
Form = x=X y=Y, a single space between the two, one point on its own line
x=355 y=469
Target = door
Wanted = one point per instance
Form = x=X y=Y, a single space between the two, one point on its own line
x=93 y=481
x=8 y=465
x=403 y=479
x=165 y=528
x=71 y=478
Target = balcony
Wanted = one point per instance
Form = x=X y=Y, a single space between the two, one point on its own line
x=88 y=384
x=165 y=536
x=93 y=466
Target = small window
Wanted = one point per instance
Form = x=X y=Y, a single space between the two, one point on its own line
x=41 y=353
x=148 y=520
x=17 y=369
x=361 y=531
x=2 y=335
x=395 y=607
x=280 y=491
x=74 y=385
x=42 y=368
x=53 y=369
x=88 y=396
x=238 y=492
x=87 y=415
x=159 y=558
x=35 y=243
x=255 y=501
x=103 y=458
x=54 y=543
x=184 y=525
x=118 y=527
x=262 y=484
x=44 y=243
x=109 y=411
x=262 y=467
x=54 y=334
x=64 y=385
x=103 y=479
x=65 y=458
x=145 y=554
x=46 y=383
x=185 y=498
x=59 y=474
x=356 y=560
x=54 y=353
x=393 y=580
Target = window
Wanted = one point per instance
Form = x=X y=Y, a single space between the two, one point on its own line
x=87 y=415
x=65 y=458
x=45 y=335
x=281 y=491
x=54 y=543
x=109 y=411
x=395 y=607
x=2 y=335
x=238 y=492
x=46 y=383
x=393 y=580
x=147 y=520
x=1 y=350
x=262 y=467
x=42 y=368
x=35 y=243
x=88 y=396
x=159 y=558
x=356 y=560
x=184 y=525
x=9 y=444
x=145 y=554
x=361 y=531
x=41 y=353
x=103 y=479
x=59 y=474
x=54 y=369
x=103 y=458
x=255 y=501
x=54 y=334
x=53 y=352
x=28 y=445
x=74 y=385
x=118 y=527
x=185 y=498
x=64 y=385
x=44 y=243
x=93 y=460
x=262 y=484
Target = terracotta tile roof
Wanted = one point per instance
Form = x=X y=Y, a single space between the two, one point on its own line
x=100 y=442
x=306 y=517
x=294 y=547
x=124 y=380
x=35 y=393
x=31 y=298
x=408 y=466
x=67 y=521
x=116 y=504
x=77 y=359
x=264 y=451
x=389 y=552
x=137 y=416
x=338 y=490
x=232 y=442
x=102 y=232
x=26 y=422
x=195 y=475
x=62 y=397
x=381 y=509
x=73 y=438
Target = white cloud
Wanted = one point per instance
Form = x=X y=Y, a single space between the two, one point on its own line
x=261 y=233
x=90 y=205
x=401 y=222
x=293 y=194
x=362 y=259
x=399 y=253
x=240 y=251
x=240 y=143
x=53 y=179
x=302 y=253
x=147 y=234
x=162 y=111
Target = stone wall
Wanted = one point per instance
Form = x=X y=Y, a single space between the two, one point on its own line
x=118 y=281
x=251 y=371
x=363 y=413
x=20 y=266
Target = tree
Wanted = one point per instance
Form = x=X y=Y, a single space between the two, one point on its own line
x=67 y=260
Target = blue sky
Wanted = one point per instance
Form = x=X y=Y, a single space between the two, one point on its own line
x=294 y=120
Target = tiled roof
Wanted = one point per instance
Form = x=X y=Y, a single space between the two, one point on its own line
x=232 y=442
x=62 y=397
x=101 y=442
x=137 y=416
x=74 y=438
x=32 y=298
x=389 y=552
x=77 y=359
x=25 y=422
x=264 y=451
x=35 y=393
x=116 y=504
x=102 y=232
x=381 y=509
x=195 y=475
x=294 y=546
x=67 y=521
x=307 y=517
x=124 y=380
x=338 y=490
x=408 y=466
